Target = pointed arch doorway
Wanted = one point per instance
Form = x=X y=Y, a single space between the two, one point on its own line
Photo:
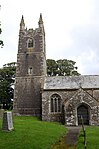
x=83 y=111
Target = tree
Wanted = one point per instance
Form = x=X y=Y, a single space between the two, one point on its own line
x=7 y=78
x=62 y=67
x=1 y=42
x=51 y=67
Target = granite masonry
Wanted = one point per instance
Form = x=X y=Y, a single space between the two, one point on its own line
x=79 y=96
x=7 y=124
x=31 y=70
x=61 y=98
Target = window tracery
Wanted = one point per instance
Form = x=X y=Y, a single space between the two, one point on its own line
x=30 y=43
x=55 y=103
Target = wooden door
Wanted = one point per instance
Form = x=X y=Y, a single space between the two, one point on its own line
x=82 y=111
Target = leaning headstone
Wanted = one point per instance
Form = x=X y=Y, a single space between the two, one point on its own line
x=7 y=124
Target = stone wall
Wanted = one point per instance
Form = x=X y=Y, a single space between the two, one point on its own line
x=27 y=98
x=70 y=101
x=46 y=114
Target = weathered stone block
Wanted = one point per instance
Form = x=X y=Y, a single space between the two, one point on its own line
x=7 y=124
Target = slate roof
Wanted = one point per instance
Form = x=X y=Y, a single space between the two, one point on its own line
x=71 y=82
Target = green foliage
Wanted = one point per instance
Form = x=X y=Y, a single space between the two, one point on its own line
x=92 y=138
x=31 y=133
x=52 y=67
x=1 y=42
x=7 y=77
x=62 y=67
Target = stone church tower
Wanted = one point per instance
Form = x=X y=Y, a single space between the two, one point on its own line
x=31 y=70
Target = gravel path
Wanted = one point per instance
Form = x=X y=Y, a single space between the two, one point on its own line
x=72 y=135
x=70 y=140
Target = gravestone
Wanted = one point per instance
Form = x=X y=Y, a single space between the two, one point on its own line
x=7 y=121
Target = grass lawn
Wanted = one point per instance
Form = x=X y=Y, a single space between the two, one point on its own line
x=92 y=137
x=31 y=133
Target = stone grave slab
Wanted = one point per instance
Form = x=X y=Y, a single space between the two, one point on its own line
x=7 y=124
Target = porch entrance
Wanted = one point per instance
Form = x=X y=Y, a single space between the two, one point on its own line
x=83 y=111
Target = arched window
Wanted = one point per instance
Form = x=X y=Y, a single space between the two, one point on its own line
x=30 y=70
x=55 y=103
x=30 y=43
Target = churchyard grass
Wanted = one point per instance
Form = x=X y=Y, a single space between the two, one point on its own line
x=31 y=133
x=92 y=138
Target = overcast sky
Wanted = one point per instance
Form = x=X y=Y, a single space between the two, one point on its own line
x=71 y=26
